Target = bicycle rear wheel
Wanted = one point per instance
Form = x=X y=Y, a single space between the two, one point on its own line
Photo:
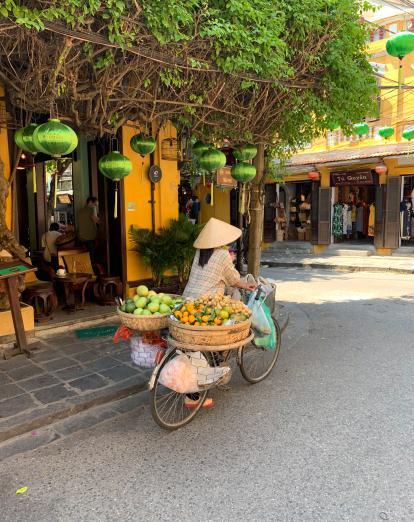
x=167 y=406
x=256 y=362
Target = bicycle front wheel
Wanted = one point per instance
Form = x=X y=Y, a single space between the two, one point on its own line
x=167 y=406
x=256 y=362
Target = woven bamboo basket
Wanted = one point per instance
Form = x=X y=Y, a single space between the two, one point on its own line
x=143 y=323
x=209 y=335
x=203 y=348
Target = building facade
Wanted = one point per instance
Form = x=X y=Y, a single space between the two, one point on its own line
x=359 y=189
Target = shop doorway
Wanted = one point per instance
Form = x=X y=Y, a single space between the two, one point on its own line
x=407 y=212
x=353 y=214
x=269 y=225
x=293 y=214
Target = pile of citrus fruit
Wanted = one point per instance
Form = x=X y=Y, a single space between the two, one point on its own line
x=211 y=311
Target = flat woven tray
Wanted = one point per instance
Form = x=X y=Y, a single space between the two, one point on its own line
x=211 y=348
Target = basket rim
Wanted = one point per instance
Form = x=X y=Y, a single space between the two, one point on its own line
x=210 y=347
x=193 y=328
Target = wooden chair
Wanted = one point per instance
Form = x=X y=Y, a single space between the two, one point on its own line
x=39 y=294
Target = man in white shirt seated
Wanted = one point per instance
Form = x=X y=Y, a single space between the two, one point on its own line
x=49 y=244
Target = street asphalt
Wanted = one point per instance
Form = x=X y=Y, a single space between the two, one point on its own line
x=327 y=437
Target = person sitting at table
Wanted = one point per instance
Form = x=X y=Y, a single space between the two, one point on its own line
x=50 y=253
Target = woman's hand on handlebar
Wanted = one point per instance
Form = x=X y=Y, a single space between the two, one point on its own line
x=247 y=286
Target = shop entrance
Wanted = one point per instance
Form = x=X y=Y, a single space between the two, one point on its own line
x=294 y=211
x=353 y=212
x=407 y=211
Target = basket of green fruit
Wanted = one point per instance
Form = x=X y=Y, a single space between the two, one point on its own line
x=147 y=310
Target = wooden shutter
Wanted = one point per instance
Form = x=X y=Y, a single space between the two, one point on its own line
x=392 y=213
x=314 y=212
x=380 y=192
x=269 y=224
x=324 y=227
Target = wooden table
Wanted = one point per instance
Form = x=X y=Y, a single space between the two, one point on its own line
x=71 y=284
x=9 y=274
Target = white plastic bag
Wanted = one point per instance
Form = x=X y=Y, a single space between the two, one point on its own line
x=190 y=373
x=260 y=321
x=143 y=354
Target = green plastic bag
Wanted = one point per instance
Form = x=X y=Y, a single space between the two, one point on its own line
x=268 y=341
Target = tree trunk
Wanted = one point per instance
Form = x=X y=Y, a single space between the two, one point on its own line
x=256 y=214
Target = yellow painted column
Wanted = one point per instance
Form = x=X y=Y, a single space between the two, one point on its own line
x=5 y=158
x=325 y=183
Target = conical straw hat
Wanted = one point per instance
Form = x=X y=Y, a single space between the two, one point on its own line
x=216 y=233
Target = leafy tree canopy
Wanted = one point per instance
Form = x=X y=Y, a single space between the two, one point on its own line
x=271 y=71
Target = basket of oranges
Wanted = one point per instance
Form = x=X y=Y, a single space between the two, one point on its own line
x=210 y=321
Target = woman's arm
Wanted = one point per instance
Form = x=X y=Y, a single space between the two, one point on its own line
x=246 y=286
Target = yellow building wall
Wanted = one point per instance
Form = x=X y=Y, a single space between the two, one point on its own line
x=5 y=157
x=221 y=207
x=396 y=107
x=137 y=194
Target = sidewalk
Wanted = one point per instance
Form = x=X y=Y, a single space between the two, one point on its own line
x=65 y=376
x=372 y=263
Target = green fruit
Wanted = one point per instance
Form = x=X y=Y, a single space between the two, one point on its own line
x=165 y=309
x=138 y=311
x=166 y=299
x=142 y=291
x=146 y=312
x=153 y=307
x=123 y=307
x=141 y=302
x=228 y=309
x=151 y=293
x=224 y=314
x=129 y=307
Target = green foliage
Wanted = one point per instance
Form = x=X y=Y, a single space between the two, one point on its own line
x=181 y=235
x=154 y=249
x=170 y=249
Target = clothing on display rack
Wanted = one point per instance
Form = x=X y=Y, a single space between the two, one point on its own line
x=405 y=219
x=337 y=218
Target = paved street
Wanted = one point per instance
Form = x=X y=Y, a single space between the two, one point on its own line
x=329 y=436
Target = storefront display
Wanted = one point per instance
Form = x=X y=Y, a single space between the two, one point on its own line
x=407 y=212
x=353 y=214
x=294 y=212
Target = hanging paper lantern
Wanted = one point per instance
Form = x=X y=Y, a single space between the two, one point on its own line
x=115 y=166
x=408 y=134
x=212 y=160
x=55 y=138
x=386 y=132
x=313 y=175
x=360 y=128
x=400 y=44
x=142 y=145
x=24 y=138
x=199 y=148
x=381 y=169
x=332 y=125
x=243 y=172
x=245 y=152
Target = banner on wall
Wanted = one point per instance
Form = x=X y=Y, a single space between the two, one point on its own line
x=224 y=178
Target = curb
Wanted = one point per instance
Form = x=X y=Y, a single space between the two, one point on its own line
x=337 y=268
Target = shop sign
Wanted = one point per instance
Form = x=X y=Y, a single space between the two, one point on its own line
x=224 y=178
x=364 y=177
x=155 y=174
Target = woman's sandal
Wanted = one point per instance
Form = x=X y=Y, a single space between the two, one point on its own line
x=191 y=403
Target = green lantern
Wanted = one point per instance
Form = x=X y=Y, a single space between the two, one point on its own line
x=386 y=132
x=243 y=172
x=24 y=138
x=408 y=134
x=142 y=145
x=115 y=166
x=360 y=128
x=400 y=44
x=199 y=148
x=55 y=138
x=212 y=160
x=245 y=152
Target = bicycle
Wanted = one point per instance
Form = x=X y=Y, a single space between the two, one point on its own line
x=168 y=407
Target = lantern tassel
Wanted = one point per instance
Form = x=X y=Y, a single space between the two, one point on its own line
x=116 y=201
x=212 y=193
x=204 y=180
x=400 y=74
x=34 y=180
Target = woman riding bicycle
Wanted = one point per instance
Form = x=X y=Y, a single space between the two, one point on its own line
x=213 y=271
